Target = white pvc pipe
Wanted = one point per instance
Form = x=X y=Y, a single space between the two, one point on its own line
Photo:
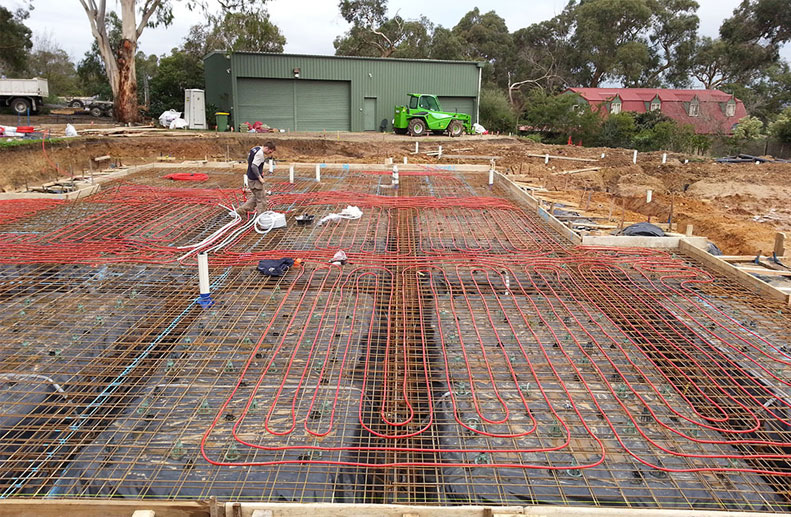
x=318 y=172
x=546 y=159
x=203 y=272
x=649 y=195
x=439 y=153
x=417 y=146
x=291 y=174
x=664 y=157
x=491 y=176
x=271 y=166
x=634 y=156
x=405 y=161
x=395 y=175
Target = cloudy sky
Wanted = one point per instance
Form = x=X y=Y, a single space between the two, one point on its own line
x=310 y=26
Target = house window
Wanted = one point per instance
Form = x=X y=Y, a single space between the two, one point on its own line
x=694 y=108
x=656 y=105
x=615 y=106
x=730 y=109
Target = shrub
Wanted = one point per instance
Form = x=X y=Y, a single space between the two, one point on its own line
x=496 y=112
x=781 y=127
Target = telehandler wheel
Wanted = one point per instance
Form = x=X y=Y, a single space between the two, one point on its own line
x=456 y=128
x=417 y=127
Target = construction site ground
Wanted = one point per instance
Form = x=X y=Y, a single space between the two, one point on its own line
x=738 y=206
x=465 y=352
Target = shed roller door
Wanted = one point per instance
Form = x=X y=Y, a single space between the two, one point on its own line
x=458 y=105
x=323 y=105
x=269 y=100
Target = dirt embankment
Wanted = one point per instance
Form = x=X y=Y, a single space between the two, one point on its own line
x=738 y=206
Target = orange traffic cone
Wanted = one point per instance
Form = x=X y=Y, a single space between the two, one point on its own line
x=570 y=142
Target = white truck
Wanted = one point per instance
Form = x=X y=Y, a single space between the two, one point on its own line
x=23 y=94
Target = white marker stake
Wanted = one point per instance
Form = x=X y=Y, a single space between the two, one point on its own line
x=417 y=147
x=649 y=194
x=405 y=162
x=546 y=159
x=291 y=174
x=318 y=172
x=491 y=176
x=634 y=156
x=603 y=155
x=664 y=158
x=439 y=153
x=395 y=175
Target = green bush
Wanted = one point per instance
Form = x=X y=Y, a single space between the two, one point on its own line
x=496 y=112
x=749 y=128
x=781 y=127
x=618 y=130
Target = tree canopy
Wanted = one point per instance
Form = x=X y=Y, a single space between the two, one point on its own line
x=16 y=41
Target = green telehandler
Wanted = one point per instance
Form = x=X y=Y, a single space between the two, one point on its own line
x=423 y=114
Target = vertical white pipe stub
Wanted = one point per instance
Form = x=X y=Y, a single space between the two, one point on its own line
x=203 y=281
x=271 y=166
x=439 y=153
x=318 y=172
x=491 y=176
x=649 y=195
x=546 y=158
x=634 y=156
x=395 y=175
x=417 y=147
x=405 y=160
x=291 y=174
x=664 y=157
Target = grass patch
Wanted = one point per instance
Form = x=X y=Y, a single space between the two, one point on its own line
x=4 y=143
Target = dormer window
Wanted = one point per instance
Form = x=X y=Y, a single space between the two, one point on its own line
x=656 y=104
x=730 y=108
x=694 y=108
x=615 y=106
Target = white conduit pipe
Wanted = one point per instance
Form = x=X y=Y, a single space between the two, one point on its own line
x=15 y=377
x=211 y=238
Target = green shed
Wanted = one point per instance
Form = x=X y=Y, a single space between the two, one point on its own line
x=314 y=93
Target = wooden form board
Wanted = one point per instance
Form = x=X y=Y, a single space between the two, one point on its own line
x=734 y=273
x=533 y=203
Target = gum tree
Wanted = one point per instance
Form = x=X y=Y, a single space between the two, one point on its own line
x=135 y=16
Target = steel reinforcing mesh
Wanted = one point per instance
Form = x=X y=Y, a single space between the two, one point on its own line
x=465 y=353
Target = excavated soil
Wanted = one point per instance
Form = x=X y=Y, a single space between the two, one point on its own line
x=738 y=206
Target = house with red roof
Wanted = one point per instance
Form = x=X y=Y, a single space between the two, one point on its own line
x=708 y=111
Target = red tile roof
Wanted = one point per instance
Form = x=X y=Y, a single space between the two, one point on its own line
x=711 y=118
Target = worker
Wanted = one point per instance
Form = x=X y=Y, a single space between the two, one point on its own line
x=256 y=159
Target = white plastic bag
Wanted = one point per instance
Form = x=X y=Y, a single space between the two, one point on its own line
x=479 y=129
x=168 y=116
x=70 y=131
x=178 y=123
x=350 y=212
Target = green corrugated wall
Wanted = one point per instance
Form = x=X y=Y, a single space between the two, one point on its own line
x=386 y=80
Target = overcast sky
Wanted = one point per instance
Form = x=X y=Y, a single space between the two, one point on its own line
x=310 y=26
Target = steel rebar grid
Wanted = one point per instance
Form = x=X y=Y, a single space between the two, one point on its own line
x=554 y=376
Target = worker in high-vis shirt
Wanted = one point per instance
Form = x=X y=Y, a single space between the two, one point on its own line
x=256 y=159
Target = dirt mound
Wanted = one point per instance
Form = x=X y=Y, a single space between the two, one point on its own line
x=712 y=189
x=637 y=183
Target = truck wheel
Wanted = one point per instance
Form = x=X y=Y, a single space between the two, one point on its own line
x=76 y=103
x=417 y=127
x=456 y=128
x=20 y=105
x=96 y=112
